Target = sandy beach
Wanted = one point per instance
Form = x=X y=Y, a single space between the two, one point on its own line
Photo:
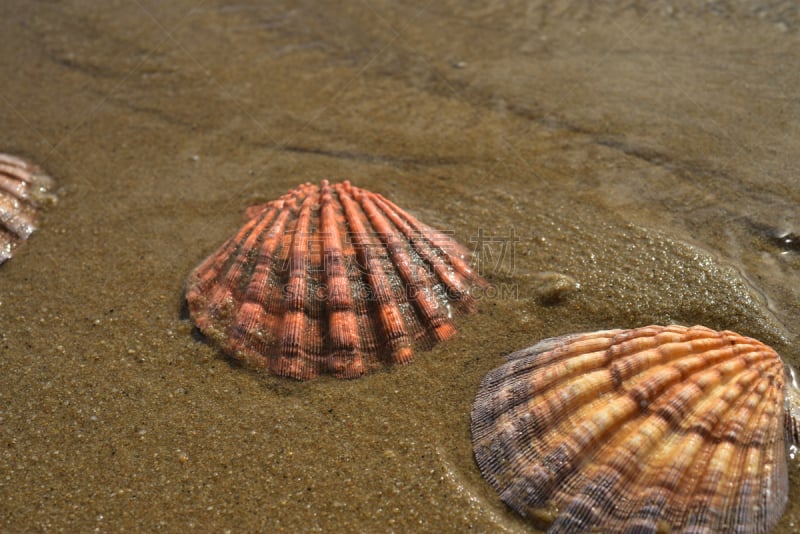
x=645 y=150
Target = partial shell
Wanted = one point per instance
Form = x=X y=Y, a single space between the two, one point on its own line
x=331 y=279
x=23 y=187
x=656 y=429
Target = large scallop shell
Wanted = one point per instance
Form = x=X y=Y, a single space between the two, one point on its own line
x=23 y=186
x=656 y=429
x=331 y=279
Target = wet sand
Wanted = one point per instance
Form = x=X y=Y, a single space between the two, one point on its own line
x=647 y=150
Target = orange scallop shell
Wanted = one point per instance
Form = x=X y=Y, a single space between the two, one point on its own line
x=656 y=429
x=330 y=280
x=23 y=186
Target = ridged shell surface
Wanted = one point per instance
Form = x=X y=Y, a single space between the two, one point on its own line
x=656 y=429
x=23 y=186
x=330 y=280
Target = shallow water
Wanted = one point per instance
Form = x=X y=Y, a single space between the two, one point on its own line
x=645 y=149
